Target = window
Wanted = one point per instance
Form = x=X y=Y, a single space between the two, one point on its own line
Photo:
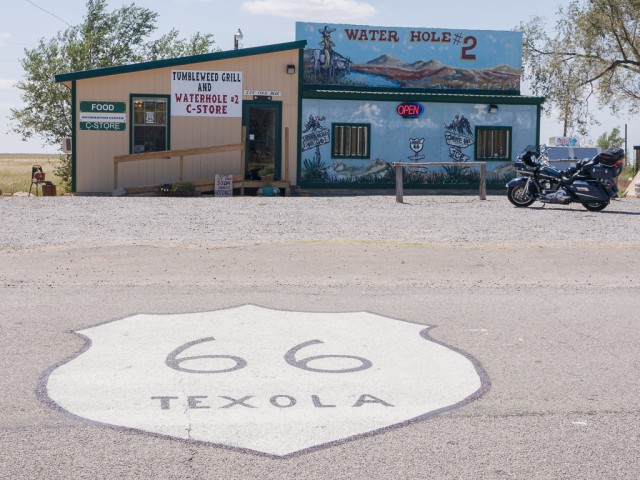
x=350 y=140
x=493 y=143
x=150 y=124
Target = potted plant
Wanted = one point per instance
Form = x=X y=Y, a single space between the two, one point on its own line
x=267 y=174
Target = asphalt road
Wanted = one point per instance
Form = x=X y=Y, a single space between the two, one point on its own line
x=553 y=327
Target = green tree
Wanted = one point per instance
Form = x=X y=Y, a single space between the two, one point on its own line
x=593 y=52
x=103 y=39
x=613 y=139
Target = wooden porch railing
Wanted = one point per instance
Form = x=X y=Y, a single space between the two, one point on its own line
x=167 y=154
x=400 y=183
x=239 y=182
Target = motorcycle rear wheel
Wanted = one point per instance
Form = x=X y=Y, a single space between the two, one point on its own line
x=595 y=206
x=519 y=196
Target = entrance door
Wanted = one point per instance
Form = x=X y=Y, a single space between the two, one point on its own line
x=263 y=143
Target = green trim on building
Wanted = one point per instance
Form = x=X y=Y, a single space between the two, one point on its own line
x=350 y=157
x=510 y=155
x=299 y=135
x=421 y=91
x=131 y=112
x=420 y=96
x=176 y=62
x=386 y=95
x=265 y=104
x=74 y=135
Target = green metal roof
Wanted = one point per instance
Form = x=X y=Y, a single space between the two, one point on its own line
x=175 y=62
x=397 y=94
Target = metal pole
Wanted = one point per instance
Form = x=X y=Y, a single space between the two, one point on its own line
x=626 y=152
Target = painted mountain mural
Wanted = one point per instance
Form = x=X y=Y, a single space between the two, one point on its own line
x=434 y=75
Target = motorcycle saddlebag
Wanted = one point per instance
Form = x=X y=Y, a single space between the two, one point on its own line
x=602 y=172
x=610 y=156
x=586 y=192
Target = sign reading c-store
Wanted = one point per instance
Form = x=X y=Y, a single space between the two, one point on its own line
x=103 y=115
x=263 y=380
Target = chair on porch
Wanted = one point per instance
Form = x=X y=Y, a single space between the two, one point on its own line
x=37 y=179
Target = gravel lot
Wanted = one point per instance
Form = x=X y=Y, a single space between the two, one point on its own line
x=545 y=299
x=449 y=220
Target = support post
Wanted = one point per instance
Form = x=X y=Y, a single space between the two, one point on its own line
x=115 y=175
x=242 y=159
x=399 y=184
x=286 y=154
x=483 y=181
x=181 y=168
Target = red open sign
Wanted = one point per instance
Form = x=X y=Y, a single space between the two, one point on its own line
x=410 y=109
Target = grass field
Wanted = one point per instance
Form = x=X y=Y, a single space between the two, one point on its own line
x=15 y=171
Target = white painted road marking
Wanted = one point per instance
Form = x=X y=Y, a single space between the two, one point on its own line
x=253 y=378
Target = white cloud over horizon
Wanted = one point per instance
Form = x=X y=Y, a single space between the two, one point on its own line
x=7 y=83
x=4 y=36
x=312 y=10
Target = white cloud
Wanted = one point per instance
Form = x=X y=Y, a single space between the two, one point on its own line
x=4 y=36
x=312 y=10
x=368 y=113
x=189 y=2
x=480 y=114
x=7 y=84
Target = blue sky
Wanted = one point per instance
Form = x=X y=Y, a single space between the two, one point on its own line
x=262 y=22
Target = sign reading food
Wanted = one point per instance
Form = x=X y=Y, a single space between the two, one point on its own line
x=100 y=115
x=196 y=93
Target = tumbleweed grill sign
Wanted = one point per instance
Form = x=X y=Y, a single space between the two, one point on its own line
x=196 y=93
x=262 y=380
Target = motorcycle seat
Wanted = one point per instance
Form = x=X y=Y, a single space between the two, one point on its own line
x=610 y=156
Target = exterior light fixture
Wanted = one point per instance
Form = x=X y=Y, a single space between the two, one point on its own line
x=291 y=69
x=493 y=108
x=236 y=39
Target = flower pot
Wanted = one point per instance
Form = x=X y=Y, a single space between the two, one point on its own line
x=267 y=178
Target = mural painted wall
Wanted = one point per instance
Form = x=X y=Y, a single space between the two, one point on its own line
x=413 y=58
x=444 y=132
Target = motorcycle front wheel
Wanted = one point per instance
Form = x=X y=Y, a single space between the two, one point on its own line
x=520 y=196
x=595 y=206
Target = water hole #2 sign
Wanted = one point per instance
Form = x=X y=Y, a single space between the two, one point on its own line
x=196 y=93
x=262 y=380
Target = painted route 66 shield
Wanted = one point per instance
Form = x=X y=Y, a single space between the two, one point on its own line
x=262 y=380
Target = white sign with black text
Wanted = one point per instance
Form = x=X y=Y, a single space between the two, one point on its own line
x=262 y=380
x=223 y=186
x=202 y=93
x=264 y=93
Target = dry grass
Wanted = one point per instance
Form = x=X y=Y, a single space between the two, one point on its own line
x=15 y=171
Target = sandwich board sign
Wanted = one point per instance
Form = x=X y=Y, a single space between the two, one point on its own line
x=260 y=380
x=223 y=185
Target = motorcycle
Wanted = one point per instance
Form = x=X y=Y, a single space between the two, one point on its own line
x=591 y=182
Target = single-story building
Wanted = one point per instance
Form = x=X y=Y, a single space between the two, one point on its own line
x=331 y=110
